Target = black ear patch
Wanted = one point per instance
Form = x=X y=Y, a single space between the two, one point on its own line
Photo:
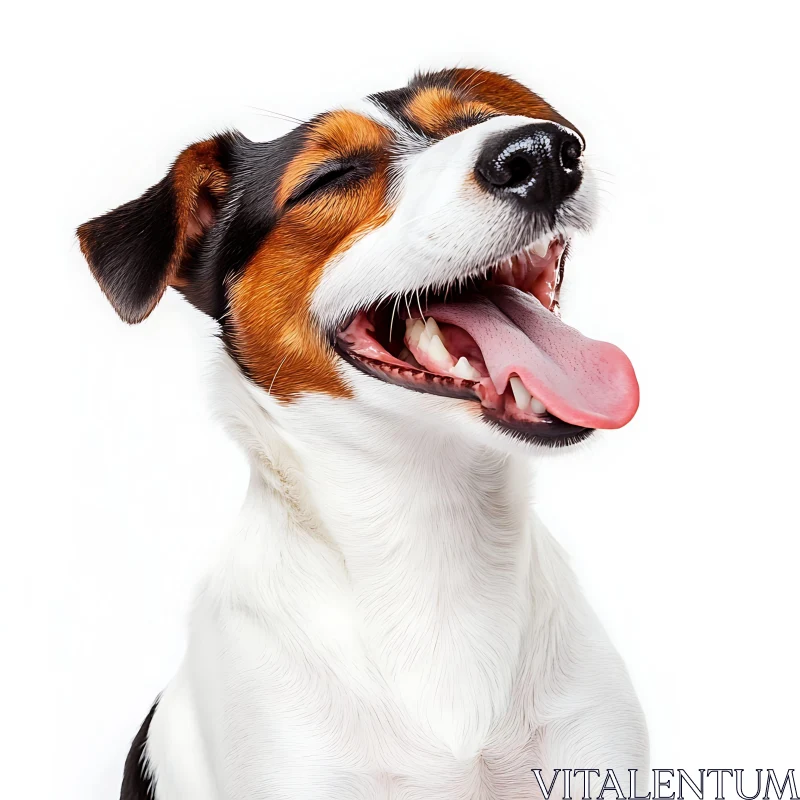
x=140 y=248
x=130 y=249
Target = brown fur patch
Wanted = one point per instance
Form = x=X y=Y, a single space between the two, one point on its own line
x=438 y=111
x=504 y=94
x=195 y=173
x=273 y=333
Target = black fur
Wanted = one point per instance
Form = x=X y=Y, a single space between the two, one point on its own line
x=246 y=216
x=130 y=248
x=136 y=784
x=442 y=79
x=395 y=101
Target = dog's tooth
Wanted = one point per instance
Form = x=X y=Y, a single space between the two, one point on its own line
x=414 y=330
x=521 y=395
x=541 y=247
x=432 y=328
x=439 y=352
x=537 y=406
x=463 y=369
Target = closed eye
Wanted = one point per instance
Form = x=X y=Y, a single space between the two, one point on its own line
x=327 y=177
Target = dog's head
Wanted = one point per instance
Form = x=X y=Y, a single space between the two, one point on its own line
x=414 y=242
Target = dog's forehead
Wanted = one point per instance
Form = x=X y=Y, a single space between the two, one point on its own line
x=430 y=107
x=436 y=104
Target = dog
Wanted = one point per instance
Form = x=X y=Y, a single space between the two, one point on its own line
x=388 y=618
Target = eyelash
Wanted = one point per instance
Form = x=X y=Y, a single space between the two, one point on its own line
x=323 y=181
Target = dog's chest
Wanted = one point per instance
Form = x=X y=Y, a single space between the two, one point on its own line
x=399 y=668
x=366 y=760
x=318 y=717
x=315 y=736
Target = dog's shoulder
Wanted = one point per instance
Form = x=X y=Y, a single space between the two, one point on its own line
x=136 y=783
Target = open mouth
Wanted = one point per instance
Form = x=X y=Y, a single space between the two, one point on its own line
x=498 y=341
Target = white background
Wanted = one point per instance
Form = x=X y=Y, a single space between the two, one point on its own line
x=683 y=526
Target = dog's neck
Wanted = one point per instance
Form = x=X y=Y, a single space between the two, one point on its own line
x=429 y=538
x=412 y=495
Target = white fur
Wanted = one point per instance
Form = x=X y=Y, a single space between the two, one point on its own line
x=388 y=618
x=443 y=228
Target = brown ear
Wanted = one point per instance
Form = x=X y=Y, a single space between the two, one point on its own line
x=140 y=248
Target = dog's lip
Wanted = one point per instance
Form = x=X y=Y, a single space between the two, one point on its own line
x=546 y=431
x=550 y=432
x=419 y=380
x=504 y=271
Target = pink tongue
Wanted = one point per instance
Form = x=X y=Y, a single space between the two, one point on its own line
x=580 y=380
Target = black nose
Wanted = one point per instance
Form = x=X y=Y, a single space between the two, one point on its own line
x=538 y=165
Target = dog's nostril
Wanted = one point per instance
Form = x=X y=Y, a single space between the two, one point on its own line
x=520 y=171
x=570 y=154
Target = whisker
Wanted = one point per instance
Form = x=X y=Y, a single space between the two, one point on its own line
x=419 y=305
x=269 y=391
x=394 y=314
x=277 y=115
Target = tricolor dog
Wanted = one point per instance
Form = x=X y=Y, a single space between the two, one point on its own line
x=388 y=618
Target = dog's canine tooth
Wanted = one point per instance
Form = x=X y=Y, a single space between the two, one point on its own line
x=415 y=328
x=439 y=352
x=431 y=328
x=537 y=406
x=521 y=395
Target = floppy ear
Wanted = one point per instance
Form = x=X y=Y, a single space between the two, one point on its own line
x=140 y=248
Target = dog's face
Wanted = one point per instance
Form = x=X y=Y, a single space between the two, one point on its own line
x=412 y=244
